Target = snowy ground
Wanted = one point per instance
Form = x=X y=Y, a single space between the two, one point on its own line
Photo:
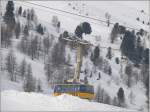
x=31 y=101
x=21 y=101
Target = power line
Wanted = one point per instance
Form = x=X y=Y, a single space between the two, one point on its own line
x=103 y=47
x=58 y=14
x=80 y=16
x=66 y=12
x=65 y=16
x=76 y=14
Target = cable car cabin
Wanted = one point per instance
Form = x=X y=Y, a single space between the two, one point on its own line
x=81 y=90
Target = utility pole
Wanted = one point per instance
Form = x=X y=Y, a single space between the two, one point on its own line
x=108 y=16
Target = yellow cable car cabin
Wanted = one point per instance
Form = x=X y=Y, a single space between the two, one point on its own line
x=84 y=91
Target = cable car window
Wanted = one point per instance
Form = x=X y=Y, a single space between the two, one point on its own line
x=86 y=88
x=76 y=88
x=73 y=88
x=57 y=88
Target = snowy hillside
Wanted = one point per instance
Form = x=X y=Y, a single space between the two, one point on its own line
x=21 y=101
x=41 y=54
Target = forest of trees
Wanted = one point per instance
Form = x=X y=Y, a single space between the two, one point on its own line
x=8 y=25
x=103 y=97
x=23 y=71
x=132 y=47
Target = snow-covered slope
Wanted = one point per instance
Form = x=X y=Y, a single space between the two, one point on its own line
x=126 y=16
x=22 y=101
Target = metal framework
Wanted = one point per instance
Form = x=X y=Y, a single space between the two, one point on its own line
x=79 y=44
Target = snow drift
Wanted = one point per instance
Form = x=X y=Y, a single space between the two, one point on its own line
x=21 y=101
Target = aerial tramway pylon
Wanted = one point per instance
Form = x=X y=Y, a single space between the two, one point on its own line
x=79 y=44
